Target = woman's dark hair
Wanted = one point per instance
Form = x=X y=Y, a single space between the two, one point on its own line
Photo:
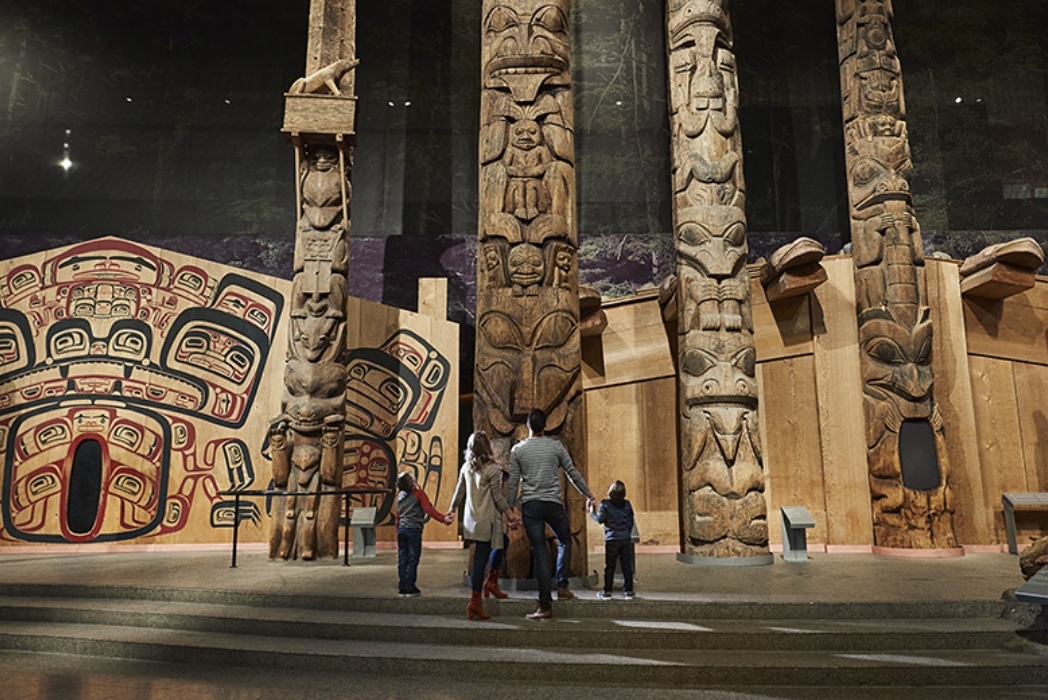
x=617 y=492
x=406 y=481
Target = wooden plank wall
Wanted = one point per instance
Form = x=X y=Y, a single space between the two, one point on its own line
x=1008 y=348
x=631 y=419
x=434 y=453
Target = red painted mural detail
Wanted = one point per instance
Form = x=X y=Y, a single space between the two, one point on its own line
x=111 y=357
x=393 y=396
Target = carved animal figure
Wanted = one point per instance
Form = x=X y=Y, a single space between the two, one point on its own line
x=329 y=76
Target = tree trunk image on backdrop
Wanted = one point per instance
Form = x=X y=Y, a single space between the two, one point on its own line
x=306 y=441
x=528 y=347
x=909 y=473
x=722 y=510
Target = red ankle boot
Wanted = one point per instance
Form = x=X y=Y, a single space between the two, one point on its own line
x=491 y=586
x=475 y=609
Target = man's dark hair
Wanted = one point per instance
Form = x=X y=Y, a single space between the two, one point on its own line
x=406 y=481
x=537 y=421
x=617 y=492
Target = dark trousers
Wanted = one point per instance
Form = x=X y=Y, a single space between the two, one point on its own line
x=618 y=551
x=409 y=549
x=536 y=516
x=481 y=552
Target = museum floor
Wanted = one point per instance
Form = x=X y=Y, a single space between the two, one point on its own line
x=666 y=590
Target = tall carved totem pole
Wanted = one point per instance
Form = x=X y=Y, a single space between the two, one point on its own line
x=306 y=442
x=528 y=347
x=907 y=458
x=723 y=512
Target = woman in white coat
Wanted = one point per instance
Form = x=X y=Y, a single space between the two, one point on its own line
x=479 y=491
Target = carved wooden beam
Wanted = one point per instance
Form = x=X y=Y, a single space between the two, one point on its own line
x=793 y=270
x=723 y=511
x=1002 y=270
x=906 y=455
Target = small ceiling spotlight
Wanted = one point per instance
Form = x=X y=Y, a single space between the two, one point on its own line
x=65 y=163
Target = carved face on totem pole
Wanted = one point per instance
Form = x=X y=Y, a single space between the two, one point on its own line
x=525 y=47
x=531 y=359
x=704 y=104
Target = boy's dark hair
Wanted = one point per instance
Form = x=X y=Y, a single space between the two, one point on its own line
x=406 y=481
x=537 y=421
x=617 y=492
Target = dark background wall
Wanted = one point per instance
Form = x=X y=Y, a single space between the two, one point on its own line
x=170 y=112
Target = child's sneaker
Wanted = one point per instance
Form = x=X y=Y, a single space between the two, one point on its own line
x=604 y=595
x=627 y=595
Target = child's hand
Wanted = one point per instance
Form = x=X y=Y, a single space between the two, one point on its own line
x=449 y=518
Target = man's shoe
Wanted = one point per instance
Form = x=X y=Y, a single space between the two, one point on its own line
x=540 y=614
x=564 y=594
x=627 y=595
x=604 y=595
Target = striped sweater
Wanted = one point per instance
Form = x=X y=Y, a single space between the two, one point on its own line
x=534 y=465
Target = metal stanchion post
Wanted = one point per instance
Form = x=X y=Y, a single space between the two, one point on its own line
x=345 y=535
x=236 y=527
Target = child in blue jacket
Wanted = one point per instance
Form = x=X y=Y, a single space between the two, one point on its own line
x=616 y=515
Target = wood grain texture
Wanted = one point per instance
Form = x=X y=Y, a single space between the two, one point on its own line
x=635 y=345
x=782 y=329
x=1031 y=390
x=631 y=431
x=973 y=523
x=998 y=281
x=1015 y=328
x=1000 y=438
x=792 y=454
x=840 y=400
x=433 y=297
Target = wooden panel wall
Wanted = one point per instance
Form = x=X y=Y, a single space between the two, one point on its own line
x=973 y=523
x=169 y=365
x=427 y=345
x=631 y=419
x=839 y=390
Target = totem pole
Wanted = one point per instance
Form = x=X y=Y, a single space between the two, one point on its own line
x=528 y=347
x=906 y=452
x=305 y=442
x=723 y=513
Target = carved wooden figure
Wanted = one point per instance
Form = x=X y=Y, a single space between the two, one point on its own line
x=306 y=441
x=909 y=473
x=528 y=342
x=722 y=473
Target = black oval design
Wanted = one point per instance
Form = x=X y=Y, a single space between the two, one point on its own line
x=85 y=488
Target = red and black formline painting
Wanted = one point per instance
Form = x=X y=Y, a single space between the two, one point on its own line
x=127 y=380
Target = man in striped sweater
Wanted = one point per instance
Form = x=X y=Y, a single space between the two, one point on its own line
x=534 y=467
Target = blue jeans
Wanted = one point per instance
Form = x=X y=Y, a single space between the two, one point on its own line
x=409 y=549
x=536 y=516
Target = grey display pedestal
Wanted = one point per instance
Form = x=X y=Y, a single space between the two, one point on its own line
x=1035 y=590
x=795 y=521
x=363 y=522
x=1020 y=501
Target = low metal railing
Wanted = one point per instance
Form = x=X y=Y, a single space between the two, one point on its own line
x=347 y=493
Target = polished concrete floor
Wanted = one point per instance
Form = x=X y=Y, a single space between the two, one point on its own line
x=824 y=578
